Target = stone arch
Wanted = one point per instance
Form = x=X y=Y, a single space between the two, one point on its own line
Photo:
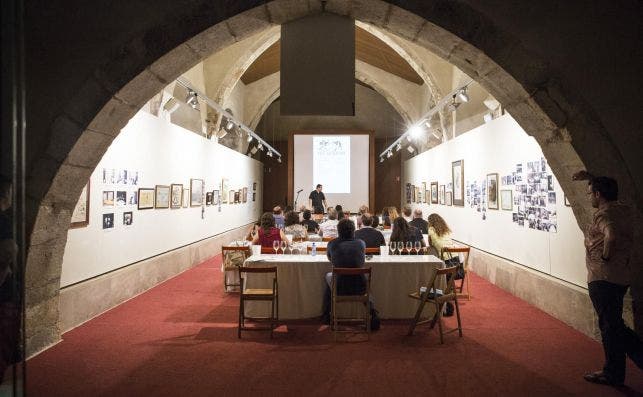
x=565 y=125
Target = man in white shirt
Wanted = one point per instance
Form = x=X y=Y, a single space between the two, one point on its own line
x=406 y=213
x=329 y=228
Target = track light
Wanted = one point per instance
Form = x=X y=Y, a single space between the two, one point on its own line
x=260 y=146
x=411 y=149
x=229 y=125
x=250 y=138
x=381 y=159
x=463 y=96
x=269 y=154
x=279 y=159
x=239 y=131
x=389 y=154
x=453 y=106
x=435 y=134
x=253 y=150
x=427 y=123
x=191 y=99
x=415 y=132
x=398 y=147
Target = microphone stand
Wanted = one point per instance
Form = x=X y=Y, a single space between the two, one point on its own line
x=296 y=198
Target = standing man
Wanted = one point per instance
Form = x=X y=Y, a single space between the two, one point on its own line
x=317 y=200
x=608 y=245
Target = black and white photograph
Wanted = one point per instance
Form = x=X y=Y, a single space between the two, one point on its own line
x=128 y=218
x=208 y=198
x=108 y=221
x=186 y=197
x=108 y=176
x=552 y=198
x=121 y=198
x=506 y=200
x=492 y=191
x=133 y=198
x=133 y=177
x=176 y=195
x=215 y=197
x=122 y=177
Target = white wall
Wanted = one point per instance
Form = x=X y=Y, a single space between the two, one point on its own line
x=163 y=154
x=497 y=147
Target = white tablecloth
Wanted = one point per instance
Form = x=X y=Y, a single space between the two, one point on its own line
x=302 y=284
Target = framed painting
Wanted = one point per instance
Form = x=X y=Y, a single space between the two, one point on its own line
x=254 y=186
x=225 y=187
x=80 y=216
x=413 y=193
x=196 y=192
x=457 y=178
x=425 y=197
x=254 y=196
x=441 y=195
x=506 y=200
x=145 y=198
x=492 y=191
x=161 y=196
x=434 y=192
x=448 y=198
x=237 y=196
x=208 y=198
x=567 y=203
x=230 y=197
x=419 y=194
x=215 y=198
x=244 y=195
x=408 y=193
x=176 y=195
x=186 y=197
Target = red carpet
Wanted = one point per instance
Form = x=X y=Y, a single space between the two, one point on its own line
x=179 y=339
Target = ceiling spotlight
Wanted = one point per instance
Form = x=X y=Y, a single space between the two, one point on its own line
x=453 y=106
x=411 y=149
x=435 y=134
x=427 y=123
x=381 y=159
x=398 y=147
x=462 y=95
x=260 y=146
x=279 y=159
x=415 y=131
x=229 y=125
x=191 y=99
x=389 y=154
x=239 y=131
x=250 y=138
x=269 y=154
x=253 y=150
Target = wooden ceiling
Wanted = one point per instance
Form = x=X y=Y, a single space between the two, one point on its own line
x=368 y=48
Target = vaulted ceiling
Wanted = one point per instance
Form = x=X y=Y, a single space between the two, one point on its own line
x=368 y=48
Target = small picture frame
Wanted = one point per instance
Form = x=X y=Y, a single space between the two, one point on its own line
x=237 y=196
x=449 y=198
x=108 y=198
x=108 y=221
x=215 y=198
x=121 y=198
x=492 y=191
x=231 y=196
x=434 y=193
x=208 y=198
x=442 y=194
x=161 y=196
x=244 y=195
x=196 y=192
x=254 y=196
x=128 y=218
x=186 y=197
x=176 y=195
x=254 y=186
x=80 y=215
x=457 y=179
x=567 y=203
x=506 y=200
x=145 y=198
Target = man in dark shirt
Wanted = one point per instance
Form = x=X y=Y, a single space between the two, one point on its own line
x=419 y=222
x=317 y=200
x=309 y=224
x=373 y=238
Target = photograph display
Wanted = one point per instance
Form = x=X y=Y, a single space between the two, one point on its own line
x=434 y=192
x=108 y=197
x=128 y=218
x=145 y=198
x=186 y=197
x=506 y=200
x=442 y=191
x=425 y=194
x=196 y=192
x=162 y=196
x=237 y=196
x=231 y=196
x=108 y=221
x=492 y=191
x=457 y=180
x=133 y=198
x=254 y=196
x=534 y=197
x=176 y=195
x=208 y=198
x=80 y=215
x=476 y=196
x=113 y=176
x=121 y=198
x=413 y=194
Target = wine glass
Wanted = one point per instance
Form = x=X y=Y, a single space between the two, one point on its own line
x=275 y=246
x=284 y=245
x=400 y=247
x=392 y=246
x=418 y=246
x=409 y=246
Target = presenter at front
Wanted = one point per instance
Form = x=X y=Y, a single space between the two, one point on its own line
x=317 y=200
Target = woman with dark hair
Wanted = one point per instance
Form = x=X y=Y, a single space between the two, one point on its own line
x=403 y=232
x=293 y=227
x=268 y=233
x=310 y=224
x=386 y=221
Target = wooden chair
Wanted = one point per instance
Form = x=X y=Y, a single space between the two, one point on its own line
x=465 y=251
x=258 y=294
x=226 y=255
x=327 y=239
x=362 y=298
x=319 y=249
x=372 y=251
x=429 y=296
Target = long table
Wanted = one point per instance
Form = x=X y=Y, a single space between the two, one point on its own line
x=302 y=284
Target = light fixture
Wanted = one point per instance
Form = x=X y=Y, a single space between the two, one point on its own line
x=462 y=95
x=253 y=150
x=191 y=99
x=239 y=131
x=250 y=138
x=453 y=106
x=260 y=146
x=427 y=123
x=171 y=105
x=415 y=132
x=279 y=159
x=229 y=125
x=411 y=149
x=487 y=117
x=435 y=134
x=269 y=154
x=381 y=159
x=399 y=147
x=389 y=154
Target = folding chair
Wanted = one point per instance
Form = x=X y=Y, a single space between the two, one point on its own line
x=232 y=258
x=258 y=294
x=360 y=298
x=432 y=296
x=465 y=265
x=372 y=251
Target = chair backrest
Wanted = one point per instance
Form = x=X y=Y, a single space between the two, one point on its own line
x=233 y=256
x=372 y=251
x=351 y=271
x=327 y=239
x=319 y=249
x=465 y=251
x=256 y=270
x=270 y=250
x=450 y=288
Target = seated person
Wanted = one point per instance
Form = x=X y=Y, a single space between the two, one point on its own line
x=407 y=212
x=439 y=234
x=339 y=208
x=405 y=233
x=268 y=233
x=279 y=218
x=345 y=251
x=309 y=224
x=373 y=238
x=385 y=219
x=329 y=228
x=363 y=209
x=293 y=227
x=419 y=222
x=376 y=221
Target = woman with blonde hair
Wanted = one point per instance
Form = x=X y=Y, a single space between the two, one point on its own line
x=439 y=233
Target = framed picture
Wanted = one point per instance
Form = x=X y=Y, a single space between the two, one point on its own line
x=108 y=221
x=254 y=186
x=506 y=200
x=215 y=197
x=196 y=192
x=567 y=203
x=208 y=198
x=449 y=198
x=121 y=198
x=419 y=194
x=492 y=191
x=408 y=193
x=441 y=198
x=230 y=196
x=457 y=178
x=108 y=198
x=145 y=198
x=133 y=198
x=425 y=197
x=434 y=192
x=225 y=188
x=244 y=195
x=237 y=196
x=413 y=193
x=128 y=218
x=80 y=215
x=186 y=197
x=176 y=195
x=254 y=196
x=162 y=196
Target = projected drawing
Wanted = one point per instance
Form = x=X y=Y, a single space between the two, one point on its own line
x=331 y=163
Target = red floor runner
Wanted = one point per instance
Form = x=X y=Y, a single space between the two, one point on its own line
x=179 y=339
